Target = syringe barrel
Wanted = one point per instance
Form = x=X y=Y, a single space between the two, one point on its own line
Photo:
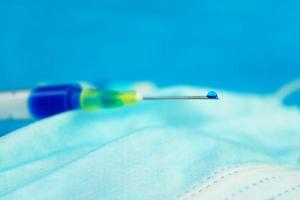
x=46 y=101
x=14 y=105
x=40 y=102
x=50 y=100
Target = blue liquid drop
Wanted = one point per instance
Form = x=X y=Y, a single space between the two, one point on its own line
x=212 y=95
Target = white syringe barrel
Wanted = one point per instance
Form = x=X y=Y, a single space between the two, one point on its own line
x=40 y=102
x=14 y=105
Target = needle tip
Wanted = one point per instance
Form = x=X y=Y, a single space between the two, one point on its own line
x=212 y=95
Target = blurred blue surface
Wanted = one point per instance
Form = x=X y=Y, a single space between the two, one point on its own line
x=247 y=46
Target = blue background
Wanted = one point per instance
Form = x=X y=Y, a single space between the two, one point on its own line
x=247 y=46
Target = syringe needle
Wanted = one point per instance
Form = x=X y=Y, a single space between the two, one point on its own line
x=210 y=95
x=174 y=97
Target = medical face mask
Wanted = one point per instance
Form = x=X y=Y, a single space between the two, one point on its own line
x=155 y=150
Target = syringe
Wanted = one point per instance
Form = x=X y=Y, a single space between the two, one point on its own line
x=46 y=101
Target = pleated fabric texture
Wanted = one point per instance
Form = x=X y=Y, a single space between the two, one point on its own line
x=249 y=181
x=155 y=150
